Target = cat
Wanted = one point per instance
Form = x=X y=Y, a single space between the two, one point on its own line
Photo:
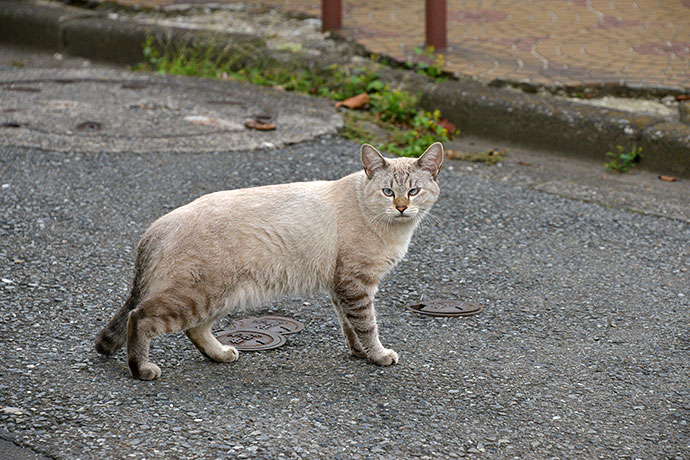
x=234 y=250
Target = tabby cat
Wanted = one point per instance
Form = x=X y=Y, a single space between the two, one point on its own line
x=230 y=251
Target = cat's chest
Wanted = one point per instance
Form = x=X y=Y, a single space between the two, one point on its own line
x=392 y=250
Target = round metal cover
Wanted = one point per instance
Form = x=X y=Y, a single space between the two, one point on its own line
x=250 y=339
x=96 y=110
x=446 y=308
x=279 y=324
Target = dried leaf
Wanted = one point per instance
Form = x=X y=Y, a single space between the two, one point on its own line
x=683 y=97
x=452 y=154
x=668 y=178
x=355 y=102
x=258 y=125
x=449 y=125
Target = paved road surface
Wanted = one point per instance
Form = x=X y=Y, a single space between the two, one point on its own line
x=582 y=350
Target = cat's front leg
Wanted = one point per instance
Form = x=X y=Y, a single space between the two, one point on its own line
x=350 y=336
x=357 y=315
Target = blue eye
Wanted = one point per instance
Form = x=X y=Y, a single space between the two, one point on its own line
x=387 y=191
x=413 y=191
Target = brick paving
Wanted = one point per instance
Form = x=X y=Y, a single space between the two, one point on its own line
x=551 y=42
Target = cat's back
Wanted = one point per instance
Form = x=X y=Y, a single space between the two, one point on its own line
x=290 y=227
x=271 y=205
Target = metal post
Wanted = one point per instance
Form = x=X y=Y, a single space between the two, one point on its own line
x=331 y=15
x=436 y=23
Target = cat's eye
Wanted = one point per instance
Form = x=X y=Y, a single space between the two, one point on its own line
x=387 y=191
x=413 y=191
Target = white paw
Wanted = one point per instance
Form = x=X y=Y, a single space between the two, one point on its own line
x=230 y=354
x=385 y=358
x=149 y=371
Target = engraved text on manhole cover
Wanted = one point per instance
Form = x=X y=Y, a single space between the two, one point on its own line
x=446 y=308
x=250 y=339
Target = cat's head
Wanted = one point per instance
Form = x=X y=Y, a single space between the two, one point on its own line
x=401 y=189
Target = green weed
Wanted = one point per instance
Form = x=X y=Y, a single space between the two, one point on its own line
x=429 y=62
x=410 y=130
x=490 y=157
x=621 y=160
x=426 y=129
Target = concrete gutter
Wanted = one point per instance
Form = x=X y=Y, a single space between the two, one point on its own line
x=559 y=125
x=505 y=114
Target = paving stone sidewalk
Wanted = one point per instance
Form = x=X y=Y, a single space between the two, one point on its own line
x=634 y=43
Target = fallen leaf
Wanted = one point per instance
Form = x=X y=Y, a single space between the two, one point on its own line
x=524 y=163
x=258 y=125
x=682 y=97
x=668 y=178
x=451 y=154
x=449 y=125
x=355 y=102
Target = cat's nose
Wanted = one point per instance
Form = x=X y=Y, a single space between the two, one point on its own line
x=401 y=208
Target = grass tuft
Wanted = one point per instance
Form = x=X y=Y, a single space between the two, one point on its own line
x=622 y=161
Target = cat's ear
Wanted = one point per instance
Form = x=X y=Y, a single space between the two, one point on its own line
x=432 y=159
x=372 y=160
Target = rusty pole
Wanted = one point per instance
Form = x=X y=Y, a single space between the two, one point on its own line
x=436 y=23
x=331 y=15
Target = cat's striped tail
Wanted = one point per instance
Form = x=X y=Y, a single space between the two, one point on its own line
x=114 y=334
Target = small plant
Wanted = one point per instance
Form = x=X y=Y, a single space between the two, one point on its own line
x=394 y=106
x=363 y=81
x=203 y=59
x=359 y=126
x=621 y=160
x=490 y=157
x=429 y=63
x=425 y=129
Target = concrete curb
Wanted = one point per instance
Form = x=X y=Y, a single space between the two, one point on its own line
x=561 y=125
x=496 y=113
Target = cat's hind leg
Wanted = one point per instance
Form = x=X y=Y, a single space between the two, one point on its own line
x=164 y=312
x=209 y=346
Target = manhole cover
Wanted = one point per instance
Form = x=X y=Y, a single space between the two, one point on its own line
x=250 y=339
x=278 y=324
x=446 y=308
x=97 y=110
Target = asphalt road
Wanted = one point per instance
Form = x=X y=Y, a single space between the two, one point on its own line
x=581 y=351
